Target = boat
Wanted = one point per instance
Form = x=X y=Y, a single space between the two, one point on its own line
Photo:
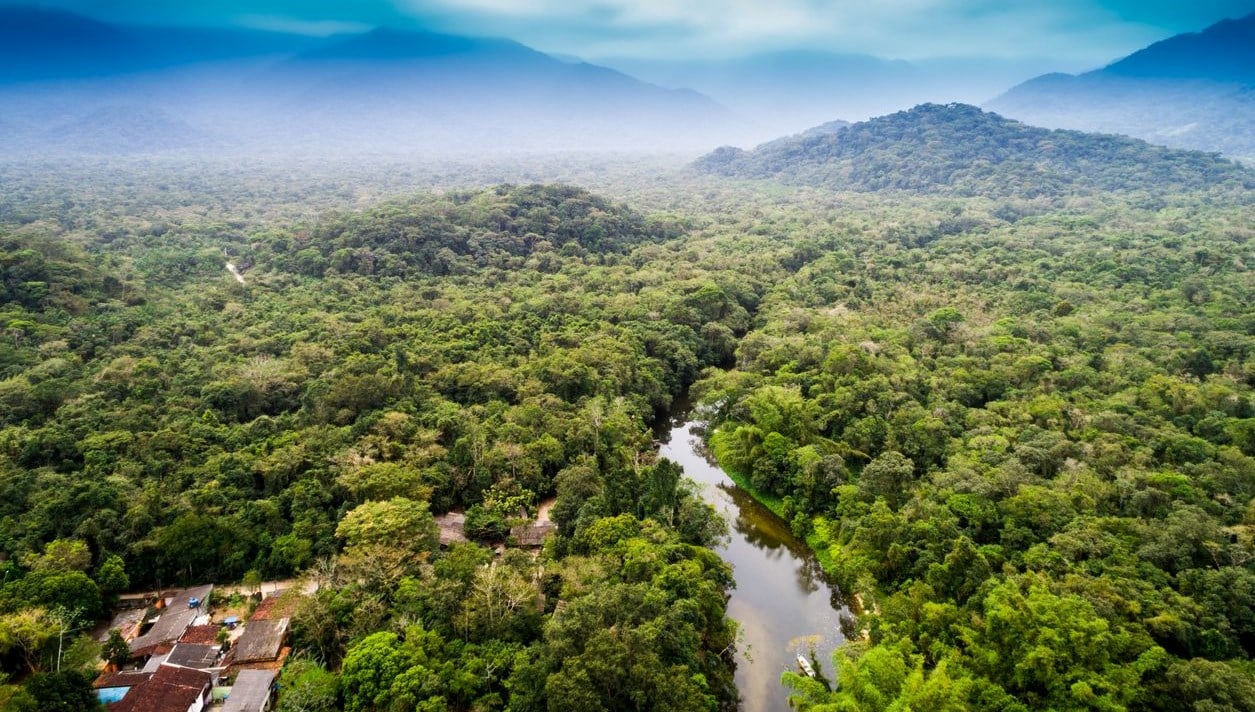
x=805 y=665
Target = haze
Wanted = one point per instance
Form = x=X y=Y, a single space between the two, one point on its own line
x=438 y=77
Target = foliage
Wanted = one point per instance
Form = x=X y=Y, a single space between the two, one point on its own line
x=957 y=149
x=1022 y=427
x=1017 y=443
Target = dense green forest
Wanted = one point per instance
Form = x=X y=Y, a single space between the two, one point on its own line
x=1019 y=425
x=476 y=350
x=1027 y=445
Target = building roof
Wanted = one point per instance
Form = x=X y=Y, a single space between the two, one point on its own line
x=200 y=634
x=273 y=606
x=452 y=526
x=121 y=678
x=192 y=655
x=532 y=534
x=170 y=689
x=261 y=641
x=173 y=621
x=126 y=621
x=251 y=691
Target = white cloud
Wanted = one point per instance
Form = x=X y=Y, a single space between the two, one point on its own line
x=1078 y=29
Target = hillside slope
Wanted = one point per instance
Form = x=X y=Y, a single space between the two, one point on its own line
x=960 y=150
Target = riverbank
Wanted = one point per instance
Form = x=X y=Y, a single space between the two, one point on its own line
x=783 y=601
x=815 y=539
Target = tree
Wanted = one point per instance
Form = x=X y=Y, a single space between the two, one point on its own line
x=61 y=556
x=384 y=541
x=116 y=651
x=889 y=476
x=71 y=591
x=27 y=632
x=305 y=686
x=15 y=698
x=65 y=691
x=111 y=576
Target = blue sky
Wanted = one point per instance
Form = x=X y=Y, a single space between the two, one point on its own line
x=1075 y=32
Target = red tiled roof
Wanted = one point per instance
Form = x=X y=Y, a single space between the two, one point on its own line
x=200 y=635
x=276 y=605
x=122 y=678
x=170 y=689
x=263 y=610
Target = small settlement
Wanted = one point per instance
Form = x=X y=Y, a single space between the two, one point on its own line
x=186 y=655
x=190 y=653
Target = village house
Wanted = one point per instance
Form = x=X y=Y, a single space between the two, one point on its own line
x=176 y=616
x=195 y=656
x=169 y=689
x=253 y=691
x=532 y=536
x=261 y=642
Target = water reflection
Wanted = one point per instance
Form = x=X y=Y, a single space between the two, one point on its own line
x=782 y=601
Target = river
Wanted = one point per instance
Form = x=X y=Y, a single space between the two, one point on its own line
x=782 y=601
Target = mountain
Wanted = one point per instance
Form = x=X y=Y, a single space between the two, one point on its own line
x=427 y=91
x=785 y=92
x=124 y=130
x=1224 y=52
x=39 y=44
x=1194 y=90
x=384 y=91
x=957 y=149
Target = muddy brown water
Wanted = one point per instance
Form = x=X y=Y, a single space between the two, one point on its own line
x=782 y=601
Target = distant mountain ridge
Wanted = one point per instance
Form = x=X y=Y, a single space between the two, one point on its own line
x=383 y=91
x=1194 y=90
x=38 y=44
x=957 y=149
x=787 y=91
x=1224 y=52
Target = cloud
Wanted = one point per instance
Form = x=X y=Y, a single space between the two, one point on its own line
x=1084 y=30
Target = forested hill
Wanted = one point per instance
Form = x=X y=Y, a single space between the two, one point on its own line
x=463 y=231
x=956 y=149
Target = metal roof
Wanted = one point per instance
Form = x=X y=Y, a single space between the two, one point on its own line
x=251 y=691
x=261 y=641
x=193 y=655
x=174 y=620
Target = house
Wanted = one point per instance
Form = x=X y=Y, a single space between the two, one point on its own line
x=170 y=689
x=114 y=686
x=261 y=642
x=201 y=634
x=120 y=681
x=192 y=655
x=532 y=536
x=452 y=526
x=179 y=614
x=252 y=692
x=127 y=621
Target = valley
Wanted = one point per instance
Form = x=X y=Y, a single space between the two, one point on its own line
x=364 y=358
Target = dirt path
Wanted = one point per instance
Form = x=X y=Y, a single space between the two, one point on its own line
x=542 y=512
x=235 y=272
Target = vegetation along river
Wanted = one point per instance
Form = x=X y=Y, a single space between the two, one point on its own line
x=782 y=601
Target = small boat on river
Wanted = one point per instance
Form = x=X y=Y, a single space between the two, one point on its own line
x=805 y=665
